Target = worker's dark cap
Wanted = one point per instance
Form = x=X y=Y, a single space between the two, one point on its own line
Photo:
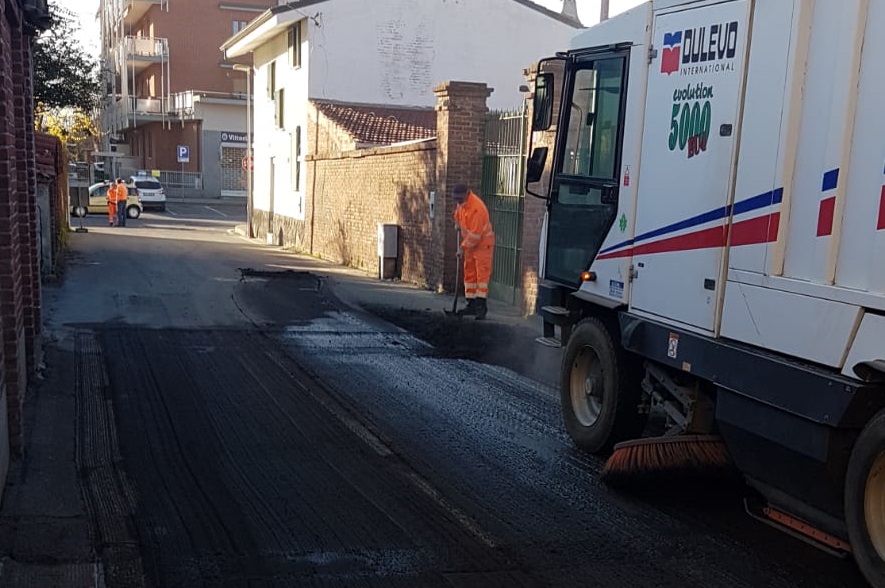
x=119 y=179
x=459 y=189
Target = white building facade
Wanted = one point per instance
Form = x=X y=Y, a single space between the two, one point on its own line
x=391 y=54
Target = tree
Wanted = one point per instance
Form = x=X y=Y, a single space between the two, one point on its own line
x=65 y=75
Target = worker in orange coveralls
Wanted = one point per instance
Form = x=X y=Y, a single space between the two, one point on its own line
x=122 y=198
x=112 y=203
x=477 y=249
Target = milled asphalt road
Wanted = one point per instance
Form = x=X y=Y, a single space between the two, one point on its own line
x=214 y=416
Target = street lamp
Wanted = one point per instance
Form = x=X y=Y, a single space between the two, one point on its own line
x=247 y=69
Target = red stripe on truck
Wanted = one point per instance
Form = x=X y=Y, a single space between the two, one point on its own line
x=825 y=216
x=881 y=224
x=763 y=229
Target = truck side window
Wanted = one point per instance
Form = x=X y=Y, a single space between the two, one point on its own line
x=591 y=142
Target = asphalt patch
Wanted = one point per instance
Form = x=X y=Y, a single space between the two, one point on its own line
x=485 y=341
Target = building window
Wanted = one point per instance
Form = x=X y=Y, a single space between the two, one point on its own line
x=296 y=159
x=295 y=45
x=271 y=79
x=239 y=25
x=279 y=108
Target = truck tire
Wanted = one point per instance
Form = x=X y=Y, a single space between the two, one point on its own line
x=865 y=501
x=600 y=389
x=133 y=212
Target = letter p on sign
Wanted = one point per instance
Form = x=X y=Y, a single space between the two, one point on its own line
x=184 y=154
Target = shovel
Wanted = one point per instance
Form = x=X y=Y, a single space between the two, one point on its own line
x=459 y=263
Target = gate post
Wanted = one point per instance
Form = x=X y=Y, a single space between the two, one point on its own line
x=460 y=126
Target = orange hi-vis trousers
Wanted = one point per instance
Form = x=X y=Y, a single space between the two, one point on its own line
x=112 y=211
x=478 y=269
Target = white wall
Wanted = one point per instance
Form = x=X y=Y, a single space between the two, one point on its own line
x=271 y=142
x=222 y=117
x=397 y=51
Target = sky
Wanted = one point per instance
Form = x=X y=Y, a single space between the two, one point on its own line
x=588 y=11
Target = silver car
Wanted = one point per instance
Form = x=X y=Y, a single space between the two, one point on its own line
x=150 y=191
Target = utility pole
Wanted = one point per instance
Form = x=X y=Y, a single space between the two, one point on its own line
x=603 y=10
x=247 y=69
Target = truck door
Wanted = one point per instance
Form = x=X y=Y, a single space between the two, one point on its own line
x=695 y=90
x=583 y=182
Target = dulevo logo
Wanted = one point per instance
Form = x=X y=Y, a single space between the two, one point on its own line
x=700 y=50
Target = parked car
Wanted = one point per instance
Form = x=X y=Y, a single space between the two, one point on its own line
x=98 y=202
x=150 y=190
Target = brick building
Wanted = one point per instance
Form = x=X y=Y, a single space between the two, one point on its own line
x=19 y=261
x=167 y=84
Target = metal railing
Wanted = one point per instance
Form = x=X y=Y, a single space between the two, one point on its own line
x=180 y=184
x=145 y=47
x=184 y=103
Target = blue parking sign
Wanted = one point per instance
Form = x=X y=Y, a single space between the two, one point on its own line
x=184 y=154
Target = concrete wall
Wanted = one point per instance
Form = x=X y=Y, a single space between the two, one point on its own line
x=399 y=50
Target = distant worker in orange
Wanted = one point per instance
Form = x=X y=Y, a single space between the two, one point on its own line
x=112 y=203
x=122 y=197
x=477 y=249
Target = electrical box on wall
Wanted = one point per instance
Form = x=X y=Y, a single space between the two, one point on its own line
x=387 y=250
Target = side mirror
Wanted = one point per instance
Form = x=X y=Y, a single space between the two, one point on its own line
x=542 y=104
x=535 y=165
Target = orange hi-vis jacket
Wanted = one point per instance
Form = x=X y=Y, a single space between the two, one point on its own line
x=122 y=192
x=473 y=218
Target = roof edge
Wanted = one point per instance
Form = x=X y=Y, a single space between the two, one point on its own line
x=551 y=13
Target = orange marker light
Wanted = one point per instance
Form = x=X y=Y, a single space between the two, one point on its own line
x=588 y=276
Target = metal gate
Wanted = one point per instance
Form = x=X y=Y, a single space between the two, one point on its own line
x=503 y=174
x=233 y=176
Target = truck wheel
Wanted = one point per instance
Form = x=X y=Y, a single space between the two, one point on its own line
x=865 y=501
x=600 y=389
x=133 y=212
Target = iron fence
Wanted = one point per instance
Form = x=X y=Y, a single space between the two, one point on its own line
x=504 y=155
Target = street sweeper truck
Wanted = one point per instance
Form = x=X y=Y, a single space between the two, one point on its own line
x=714 y=251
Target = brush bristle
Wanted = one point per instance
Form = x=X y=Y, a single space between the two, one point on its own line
x=673 y=458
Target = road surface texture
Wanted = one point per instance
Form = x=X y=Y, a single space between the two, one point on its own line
x=233 y=423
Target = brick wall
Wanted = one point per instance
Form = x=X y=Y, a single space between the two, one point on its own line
x=19 y=273
x=356 y=190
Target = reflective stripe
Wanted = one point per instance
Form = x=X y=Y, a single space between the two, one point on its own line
x=482 y=286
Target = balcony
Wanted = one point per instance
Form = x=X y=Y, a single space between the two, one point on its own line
x=131 y=11
x=138 y=53
x=128 y=112
x=186 y=105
